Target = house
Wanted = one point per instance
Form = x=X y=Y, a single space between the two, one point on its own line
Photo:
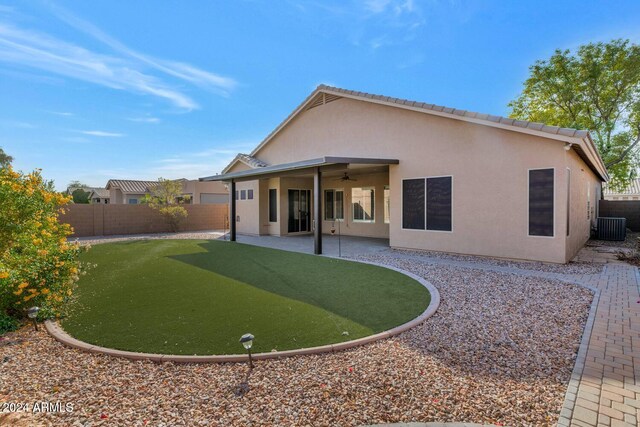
x=423 y=176
x=94 y=194
x=99 y=195
x=631 y=192
x=128 y=191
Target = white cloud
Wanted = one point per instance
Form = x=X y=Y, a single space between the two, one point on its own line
x=101 y=133
x=122 y=69
x=61 y=113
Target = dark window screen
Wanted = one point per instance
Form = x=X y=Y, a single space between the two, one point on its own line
x=413 y=204
x=328 y=204
x=273 y=205
x=541 y=202
x=250 y=194
x=243 y=194
x=439 y=203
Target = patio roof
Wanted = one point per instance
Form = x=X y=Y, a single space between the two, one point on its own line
x=259 y=172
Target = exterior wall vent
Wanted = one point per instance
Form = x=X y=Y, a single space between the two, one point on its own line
x=321 y=99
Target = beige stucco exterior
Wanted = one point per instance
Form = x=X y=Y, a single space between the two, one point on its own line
x=489 y=167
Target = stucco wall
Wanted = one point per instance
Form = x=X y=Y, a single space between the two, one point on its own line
x=583 y=202
x=489 y=167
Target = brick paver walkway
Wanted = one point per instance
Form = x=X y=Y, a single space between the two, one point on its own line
x=604 y=388
x=607 y=392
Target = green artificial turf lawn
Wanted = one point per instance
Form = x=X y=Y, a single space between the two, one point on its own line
x=200 y=296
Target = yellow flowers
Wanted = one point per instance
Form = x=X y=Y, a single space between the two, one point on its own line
x=38 y=266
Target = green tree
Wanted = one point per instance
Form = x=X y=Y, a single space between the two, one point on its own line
x=5 y=159
x=80 y=196
x=167 y=197
x=76 y=188
x=597 y=89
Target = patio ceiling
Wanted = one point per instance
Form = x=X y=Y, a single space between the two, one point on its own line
x=304 y=166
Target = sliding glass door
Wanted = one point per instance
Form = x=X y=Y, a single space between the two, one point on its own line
x=299 y=211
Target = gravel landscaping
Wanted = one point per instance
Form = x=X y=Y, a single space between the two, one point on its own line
x=500 y=350
x=570 y=268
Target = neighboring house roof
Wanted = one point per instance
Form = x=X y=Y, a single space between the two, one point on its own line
x=580 y=140
x=70 y=190
x=102 y=193
x=130 y=185
x=248 y=160
x=632 y=189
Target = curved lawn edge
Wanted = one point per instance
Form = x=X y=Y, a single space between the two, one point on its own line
x=60 y=335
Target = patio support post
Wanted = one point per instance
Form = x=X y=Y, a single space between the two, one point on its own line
x=232 y=211
x=317 y=217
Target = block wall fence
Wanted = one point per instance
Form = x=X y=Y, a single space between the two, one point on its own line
x=109 y=220
x=629 y=209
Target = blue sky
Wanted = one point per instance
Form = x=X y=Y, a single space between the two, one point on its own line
x=93 y=90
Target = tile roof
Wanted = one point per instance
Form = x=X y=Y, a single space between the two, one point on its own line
x=632 y=189
x=130 y=185
x=556 y=130
x=103 y=193
x=251 y=161
x=248 y=160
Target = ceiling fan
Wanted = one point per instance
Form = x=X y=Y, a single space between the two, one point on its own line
x=345 y=177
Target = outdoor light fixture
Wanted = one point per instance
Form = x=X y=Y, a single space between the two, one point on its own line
x=247 y=341
x=32 y=313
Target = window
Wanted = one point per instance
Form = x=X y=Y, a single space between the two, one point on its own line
x=568 y=200
x=243 y=194
x=387 y=205
x=363 y=202
x=541 y=189
x=333 y=205
x=439 y=203
x=427 y=203
x=237 y=193
x=413 y=212
x=273 y=205
x=133 y=201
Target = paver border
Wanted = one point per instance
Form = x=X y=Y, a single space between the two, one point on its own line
x=571 y=395
x=60 y=335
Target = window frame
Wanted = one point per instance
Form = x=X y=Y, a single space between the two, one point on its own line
x=324 y=201
x=425 y=204
x=373 y=213
x=243 y=194
x=553 y=236
x=250 y=194
x=386 y=198
x=274 y=204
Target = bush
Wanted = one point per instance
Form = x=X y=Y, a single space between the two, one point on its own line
x=174 y=215
x=38 y=267
x=7 y=323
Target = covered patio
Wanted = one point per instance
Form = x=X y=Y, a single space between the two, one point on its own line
x=332 y=245
x=293 y=200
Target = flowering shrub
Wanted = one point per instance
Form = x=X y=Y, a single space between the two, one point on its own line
x=38 y=267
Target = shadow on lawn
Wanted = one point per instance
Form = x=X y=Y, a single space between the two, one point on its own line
x=374 y=297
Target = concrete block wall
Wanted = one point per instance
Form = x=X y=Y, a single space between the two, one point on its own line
x=111 y=219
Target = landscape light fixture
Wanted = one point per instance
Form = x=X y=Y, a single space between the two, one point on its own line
x=247 y=343
x=32 y=313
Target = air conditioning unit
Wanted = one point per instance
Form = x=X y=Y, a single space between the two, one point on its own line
x=612 y=228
